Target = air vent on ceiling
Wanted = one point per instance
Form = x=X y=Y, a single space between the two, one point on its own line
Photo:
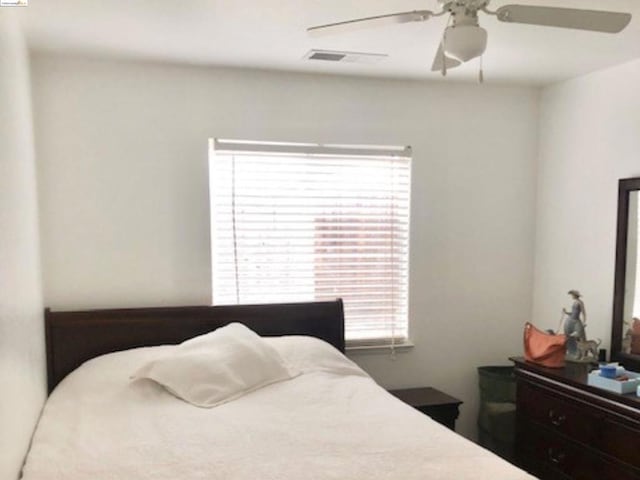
x=346 y=57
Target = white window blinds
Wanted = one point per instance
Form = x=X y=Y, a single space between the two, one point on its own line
x=298 y=222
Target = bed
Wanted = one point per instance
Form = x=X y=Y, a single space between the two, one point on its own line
x=328 y=420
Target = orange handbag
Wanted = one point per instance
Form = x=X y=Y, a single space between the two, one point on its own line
x=544 y=348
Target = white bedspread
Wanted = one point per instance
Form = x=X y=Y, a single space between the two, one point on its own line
x=329 y=423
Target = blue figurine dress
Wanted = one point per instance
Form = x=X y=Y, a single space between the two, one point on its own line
x=574 y=329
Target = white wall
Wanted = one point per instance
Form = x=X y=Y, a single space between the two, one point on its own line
x=122 y=158
x=22 y=369
x=589 y=139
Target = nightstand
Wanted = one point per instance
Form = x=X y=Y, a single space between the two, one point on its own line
x=441 y=407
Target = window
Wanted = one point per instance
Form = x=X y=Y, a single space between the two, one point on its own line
x=303 y=222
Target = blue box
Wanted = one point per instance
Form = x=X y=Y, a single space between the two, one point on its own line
x=630 y=386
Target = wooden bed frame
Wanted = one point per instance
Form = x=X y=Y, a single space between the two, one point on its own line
x=75 y=337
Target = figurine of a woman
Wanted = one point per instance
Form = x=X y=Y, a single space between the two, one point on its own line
x=574 y=325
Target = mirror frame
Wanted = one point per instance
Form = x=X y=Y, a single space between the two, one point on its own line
x=632 y=362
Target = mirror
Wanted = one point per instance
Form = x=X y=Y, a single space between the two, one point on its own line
x=625 y=337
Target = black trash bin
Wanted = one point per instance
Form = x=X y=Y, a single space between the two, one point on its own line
x=497 y=414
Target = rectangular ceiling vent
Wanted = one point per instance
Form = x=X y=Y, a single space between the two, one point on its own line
x=345 y=57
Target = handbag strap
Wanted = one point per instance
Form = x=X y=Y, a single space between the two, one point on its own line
x=562 y=319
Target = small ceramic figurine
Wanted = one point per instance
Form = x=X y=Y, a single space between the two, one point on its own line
x=588 y=350
x=574 y=326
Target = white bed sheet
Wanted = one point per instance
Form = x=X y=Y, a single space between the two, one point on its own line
x=332 y=422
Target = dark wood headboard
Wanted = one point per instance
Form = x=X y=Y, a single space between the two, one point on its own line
x=75 y=337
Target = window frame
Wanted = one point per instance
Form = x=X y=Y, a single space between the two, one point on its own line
x=241 y=147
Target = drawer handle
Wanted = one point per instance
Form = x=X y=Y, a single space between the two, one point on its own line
x=555 y=457
x=556 y=420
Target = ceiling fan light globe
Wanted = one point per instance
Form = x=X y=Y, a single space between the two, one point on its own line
x=464 y=42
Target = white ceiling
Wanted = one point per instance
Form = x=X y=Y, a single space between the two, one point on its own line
x=271 y=34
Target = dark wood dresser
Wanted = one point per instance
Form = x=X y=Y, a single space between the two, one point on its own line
x=566 y=429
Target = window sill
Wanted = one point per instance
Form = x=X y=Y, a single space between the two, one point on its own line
x=379 y=349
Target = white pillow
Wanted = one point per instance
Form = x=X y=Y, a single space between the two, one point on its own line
x=310 y=354
x=217 y=367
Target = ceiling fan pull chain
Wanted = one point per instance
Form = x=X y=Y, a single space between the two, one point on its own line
x=481 y=74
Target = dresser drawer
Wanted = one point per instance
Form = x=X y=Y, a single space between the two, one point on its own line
x=550 y=455
x=621 y=441
x=558 y=414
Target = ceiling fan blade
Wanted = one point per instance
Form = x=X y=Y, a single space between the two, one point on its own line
x=594 y=20
x=438 y=65
x=402 y=17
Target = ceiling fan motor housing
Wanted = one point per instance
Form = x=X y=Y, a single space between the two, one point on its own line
x=469 y=4
x=465 y=39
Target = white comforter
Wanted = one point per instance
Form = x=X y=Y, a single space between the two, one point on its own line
x=331 y=422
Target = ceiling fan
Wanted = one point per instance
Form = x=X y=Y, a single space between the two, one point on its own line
x=464 y=38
